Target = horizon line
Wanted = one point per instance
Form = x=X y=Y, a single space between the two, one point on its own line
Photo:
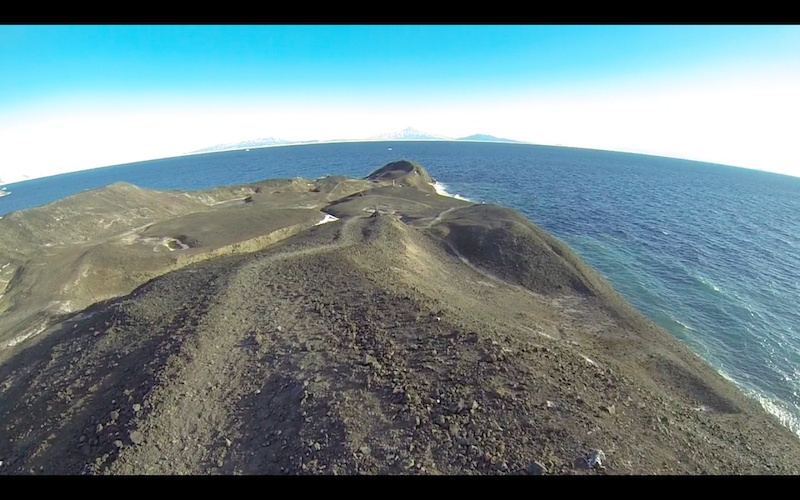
x=342 y=141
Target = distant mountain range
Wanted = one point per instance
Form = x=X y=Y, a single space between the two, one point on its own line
x=14 y=178
x=407 y=134
x=252 y=143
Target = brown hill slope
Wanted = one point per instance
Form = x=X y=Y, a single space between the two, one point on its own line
x=457 y=339
x=100 y=244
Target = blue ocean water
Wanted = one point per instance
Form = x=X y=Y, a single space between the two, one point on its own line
x=711 y=253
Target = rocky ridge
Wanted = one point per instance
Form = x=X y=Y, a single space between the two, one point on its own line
x=231 y=332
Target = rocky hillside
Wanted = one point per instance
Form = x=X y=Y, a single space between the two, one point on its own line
x=415 y=334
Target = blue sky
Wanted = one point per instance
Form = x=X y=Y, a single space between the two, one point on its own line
x=74 y=97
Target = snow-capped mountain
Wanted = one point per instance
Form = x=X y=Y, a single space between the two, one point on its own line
x=407 y=133
x=486 y=138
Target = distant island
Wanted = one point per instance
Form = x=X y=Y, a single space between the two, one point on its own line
x=251 y=143
x=407 y=134
x=487 y=138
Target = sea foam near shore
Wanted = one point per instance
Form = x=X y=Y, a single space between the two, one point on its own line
x=441 y=190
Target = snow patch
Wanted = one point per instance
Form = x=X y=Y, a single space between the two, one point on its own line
x=25 y=336
x=165 y=243
x=328 y=218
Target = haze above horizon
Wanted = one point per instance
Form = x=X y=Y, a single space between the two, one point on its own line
x=78 y=97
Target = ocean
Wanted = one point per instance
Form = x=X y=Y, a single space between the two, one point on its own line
x=709 y=252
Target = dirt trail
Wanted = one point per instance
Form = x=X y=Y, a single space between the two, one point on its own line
x=222 y=366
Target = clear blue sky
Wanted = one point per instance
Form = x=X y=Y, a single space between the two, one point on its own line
x=101 y=95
